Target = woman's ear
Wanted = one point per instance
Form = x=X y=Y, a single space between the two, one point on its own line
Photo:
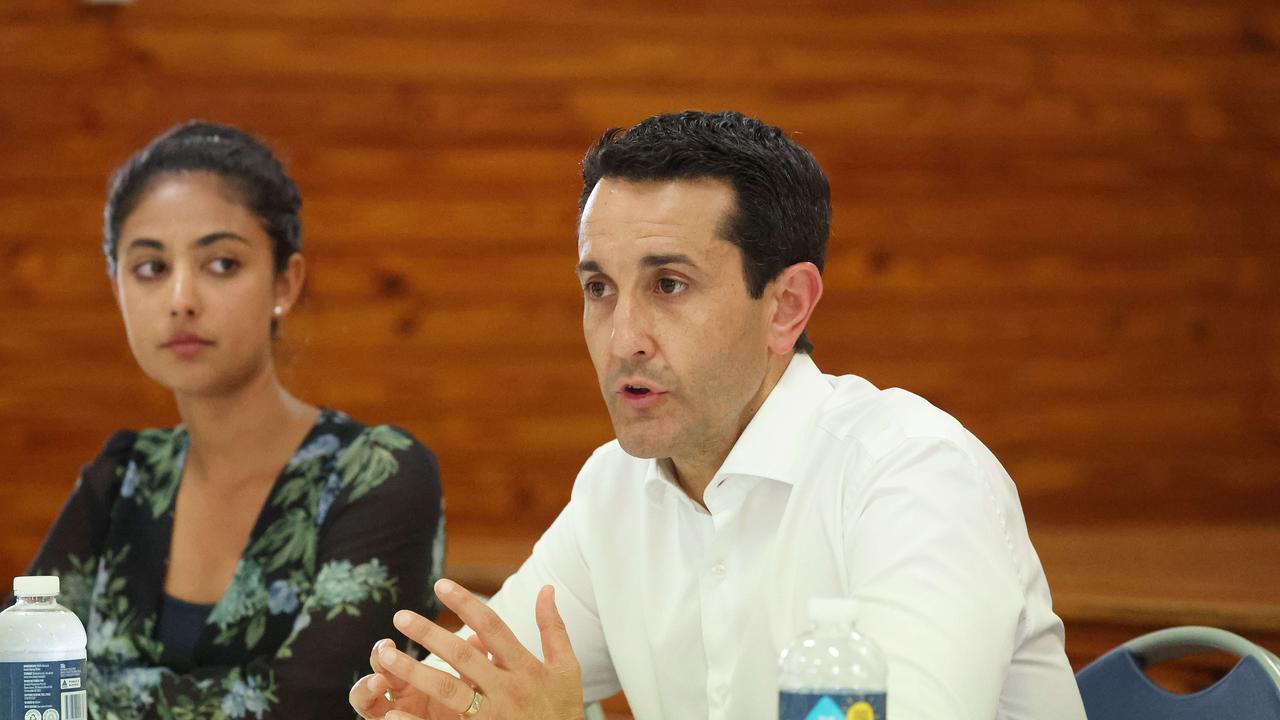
x=289 y=282
x=795 y=293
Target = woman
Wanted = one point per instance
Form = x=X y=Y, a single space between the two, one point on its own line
x=240 y=564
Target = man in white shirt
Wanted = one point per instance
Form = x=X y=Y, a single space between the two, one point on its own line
x=742 y=483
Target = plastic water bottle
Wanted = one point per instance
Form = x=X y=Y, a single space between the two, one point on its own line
x=41 y=655
x=831 y=672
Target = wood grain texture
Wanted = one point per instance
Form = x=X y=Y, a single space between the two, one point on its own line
x=1055 y=220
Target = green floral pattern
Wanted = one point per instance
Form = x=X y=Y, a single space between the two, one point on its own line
x=326 y=564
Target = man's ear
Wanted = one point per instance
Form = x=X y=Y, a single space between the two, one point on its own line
x=794 y=294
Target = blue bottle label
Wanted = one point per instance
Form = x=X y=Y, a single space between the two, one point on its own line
x=43 y=690
x=830 y=706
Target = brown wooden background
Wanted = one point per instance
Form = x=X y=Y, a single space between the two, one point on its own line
x=1056 y=220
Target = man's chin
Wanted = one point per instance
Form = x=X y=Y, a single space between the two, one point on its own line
x=643 y=445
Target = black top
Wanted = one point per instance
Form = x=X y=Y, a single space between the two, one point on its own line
x=351 y=531
x=181 y=623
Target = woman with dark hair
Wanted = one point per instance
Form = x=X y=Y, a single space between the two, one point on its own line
x=241 y=563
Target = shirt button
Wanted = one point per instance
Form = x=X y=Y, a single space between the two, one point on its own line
x=718 y=569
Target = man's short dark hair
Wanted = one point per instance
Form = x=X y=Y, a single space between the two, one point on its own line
x=782 y=213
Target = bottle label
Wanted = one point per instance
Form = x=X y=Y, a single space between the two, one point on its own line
x=43 y=690
x=830 y=706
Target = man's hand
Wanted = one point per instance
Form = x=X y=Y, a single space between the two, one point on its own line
x=380 y=695
x=512 y=682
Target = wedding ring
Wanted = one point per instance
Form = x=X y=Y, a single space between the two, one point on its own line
x=474 y=708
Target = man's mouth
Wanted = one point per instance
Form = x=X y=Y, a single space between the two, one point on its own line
x=639 y=393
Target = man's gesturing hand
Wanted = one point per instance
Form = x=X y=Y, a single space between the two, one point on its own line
x=512 y=681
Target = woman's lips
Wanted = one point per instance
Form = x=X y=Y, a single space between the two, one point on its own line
x=186 y=345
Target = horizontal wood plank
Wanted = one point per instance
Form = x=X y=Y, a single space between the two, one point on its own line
x=1054 y=220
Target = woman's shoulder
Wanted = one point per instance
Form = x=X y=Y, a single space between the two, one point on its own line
x=369 y=455
x=119 y=444
x=352 y=432
x=120 y=449
x=122 y=444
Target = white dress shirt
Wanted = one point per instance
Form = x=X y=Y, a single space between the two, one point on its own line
x=835 y=489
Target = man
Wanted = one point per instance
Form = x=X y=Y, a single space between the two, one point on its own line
x=742 y=483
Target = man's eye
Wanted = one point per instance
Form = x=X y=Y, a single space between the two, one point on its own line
x=223 y=266
x=594 y=289
x=671 y=286
x=149 y=268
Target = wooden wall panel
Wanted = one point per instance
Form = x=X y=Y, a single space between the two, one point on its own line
x=1056 y=220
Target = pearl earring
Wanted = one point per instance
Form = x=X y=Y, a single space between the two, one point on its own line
x=278 y=311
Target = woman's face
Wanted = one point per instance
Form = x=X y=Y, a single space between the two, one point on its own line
x=196 y=284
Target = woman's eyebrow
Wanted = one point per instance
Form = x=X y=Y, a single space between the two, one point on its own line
x=212 y=238
x=145 y=243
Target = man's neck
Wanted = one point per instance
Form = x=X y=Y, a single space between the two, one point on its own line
x=695 y=472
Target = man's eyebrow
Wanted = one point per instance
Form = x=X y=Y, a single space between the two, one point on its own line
x=671 y=259
x=589 y=266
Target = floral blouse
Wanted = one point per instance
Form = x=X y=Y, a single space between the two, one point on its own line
x=352 y=531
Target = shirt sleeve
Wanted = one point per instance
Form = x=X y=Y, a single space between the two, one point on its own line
x=75 y=541
x=557 y=559
x=931 y=565
x=379 y=552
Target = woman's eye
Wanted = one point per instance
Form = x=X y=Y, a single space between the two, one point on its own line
x=223 y=266
x=671 y=286
x=594 y=289
x=149 y=269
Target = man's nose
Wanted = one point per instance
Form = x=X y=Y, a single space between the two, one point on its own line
x=632 y=332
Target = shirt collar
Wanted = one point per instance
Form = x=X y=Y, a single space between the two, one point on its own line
x=768 y=446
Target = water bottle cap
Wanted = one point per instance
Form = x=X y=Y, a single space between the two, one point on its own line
x=832 y=611
x=36 y=586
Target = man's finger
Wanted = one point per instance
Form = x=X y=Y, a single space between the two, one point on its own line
x=497 y=637
x=556 y=648
x=394 y=684
x=449 y=691
x=368 y=697
x=401 y=715
x=469 y=662
x=478 y=644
